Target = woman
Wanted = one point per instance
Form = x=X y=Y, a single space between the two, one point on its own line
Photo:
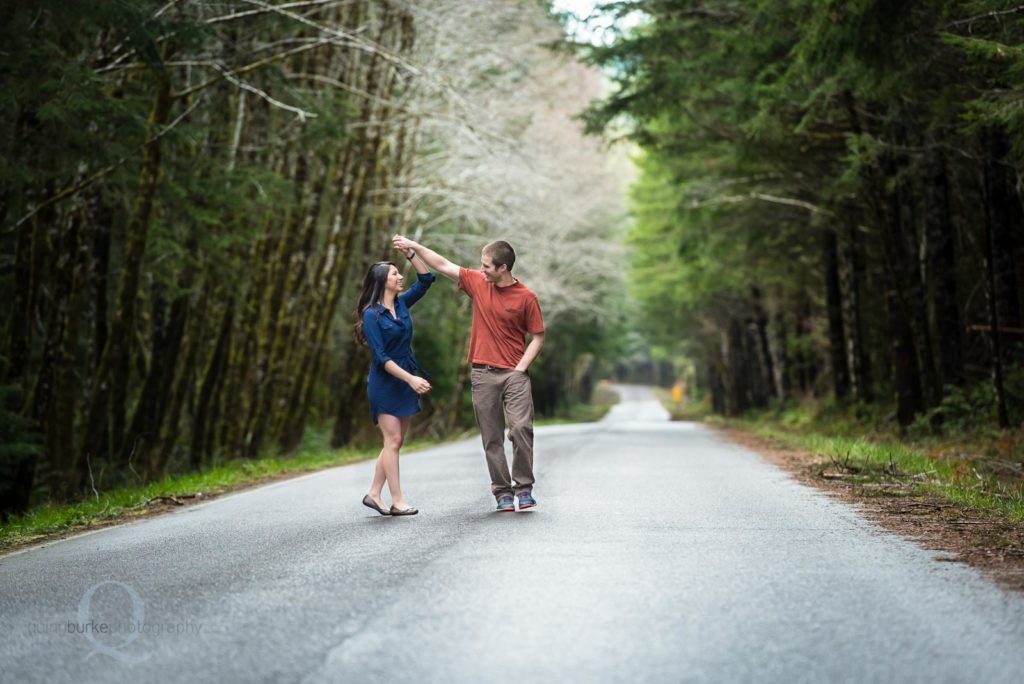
x=384 y=325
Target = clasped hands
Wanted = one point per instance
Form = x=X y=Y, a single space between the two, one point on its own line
x=403 y=244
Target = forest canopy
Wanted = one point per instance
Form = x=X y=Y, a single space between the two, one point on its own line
x=829 y=198
x=191 y=191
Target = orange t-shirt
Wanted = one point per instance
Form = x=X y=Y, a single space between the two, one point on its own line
x=501 y=318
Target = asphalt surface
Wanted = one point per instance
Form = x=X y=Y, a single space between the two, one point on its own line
x=657 y=553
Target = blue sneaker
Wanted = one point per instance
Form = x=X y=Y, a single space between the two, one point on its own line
x=506 y=504
x=526 y=499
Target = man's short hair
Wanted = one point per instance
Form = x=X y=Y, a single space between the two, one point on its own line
x=501 y=253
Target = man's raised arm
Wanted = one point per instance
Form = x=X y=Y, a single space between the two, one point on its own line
x=432 y=258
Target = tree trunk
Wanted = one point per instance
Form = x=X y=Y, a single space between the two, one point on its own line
x=739 y=399
x=780 y=353
x=234 y=402
x=1000 y=303
x=205 y=421
x=15 y=361
x=908 y=375
x=905 y=372
x=359 y=172
x=1003 y=220
x=292 y=254
x=762 y=352
x=111 y=378
x=150 y=410
x=60 y=422
x=180 y=386
x=100 y=271
x=716 y=380
x=851 y=279
x=805 y=365
x=836 y=333
x=351 y=397
x=942 y=271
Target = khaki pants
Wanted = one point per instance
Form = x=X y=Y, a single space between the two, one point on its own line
x=497 y=393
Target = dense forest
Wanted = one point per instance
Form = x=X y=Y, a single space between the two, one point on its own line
x=191 y=191
x=829 y=200
x=827 y=204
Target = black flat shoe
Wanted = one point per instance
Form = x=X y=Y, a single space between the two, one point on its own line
x=370 y=503
x=403 y=511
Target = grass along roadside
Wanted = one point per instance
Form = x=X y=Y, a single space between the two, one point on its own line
x=982 y=470
x=52 y=521
x=915 y=469
x=127 y=503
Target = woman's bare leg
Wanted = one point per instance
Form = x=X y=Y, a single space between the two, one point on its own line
x=377 y=486
x=391 y=429
x=406 y=421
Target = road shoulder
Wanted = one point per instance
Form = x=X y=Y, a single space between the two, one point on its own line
x=991 y=544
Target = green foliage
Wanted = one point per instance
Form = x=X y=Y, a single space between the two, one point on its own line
x=885 y=458
x=962 y=409
x=764 y=126
x=989 y=50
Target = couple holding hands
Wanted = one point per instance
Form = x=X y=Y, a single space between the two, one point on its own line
x=504 y=312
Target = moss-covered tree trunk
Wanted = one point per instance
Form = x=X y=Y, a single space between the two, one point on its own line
x=106 y=414
x=293 y=251
x=180 y=384
x=236 y=398
x=205 y=413
x=364 y=166
x=151 y=407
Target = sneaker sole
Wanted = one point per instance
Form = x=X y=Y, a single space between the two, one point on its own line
x=523 y=508
x=506 y=510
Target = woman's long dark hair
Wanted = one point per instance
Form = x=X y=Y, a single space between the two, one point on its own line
x=373 y=289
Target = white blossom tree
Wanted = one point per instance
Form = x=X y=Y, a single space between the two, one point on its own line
x=502 y=157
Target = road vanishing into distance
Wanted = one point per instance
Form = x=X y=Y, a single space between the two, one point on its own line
x=658 y=552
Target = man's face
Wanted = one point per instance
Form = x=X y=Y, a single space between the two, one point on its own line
x=490 y=271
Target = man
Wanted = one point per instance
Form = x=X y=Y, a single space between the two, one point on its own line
x=504 y=312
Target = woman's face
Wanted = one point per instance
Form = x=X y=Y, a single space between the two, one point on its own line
x=394 y=282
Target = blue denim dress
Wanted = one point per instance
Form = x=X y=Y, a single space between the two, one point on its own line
x=390 y=339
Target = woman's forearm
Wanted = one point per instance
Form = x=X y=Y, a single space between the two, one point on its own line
x=397 y=371
x=418 y=384
x=429 y=256
x=418 y=263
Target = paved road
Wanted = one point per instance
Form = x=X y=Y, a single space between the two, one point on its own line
x=658 y=553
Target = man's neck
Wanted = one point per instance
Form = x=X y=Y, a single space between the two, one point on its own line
x=505 y=280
